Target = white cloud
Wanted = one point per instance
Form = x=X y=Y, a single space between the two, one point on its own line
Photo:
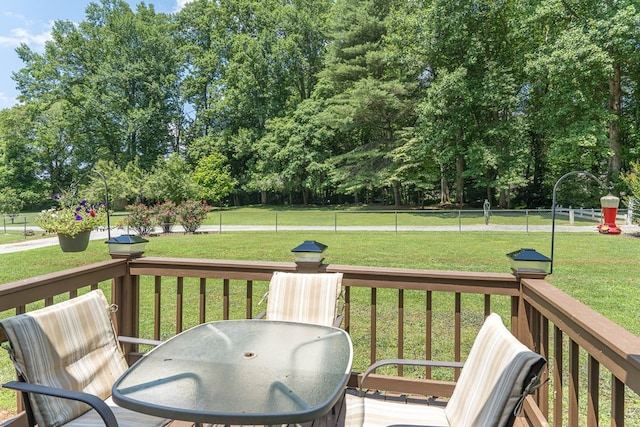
x=6 y=101
x=180 y=4
x=17 y=17
x=20 y=35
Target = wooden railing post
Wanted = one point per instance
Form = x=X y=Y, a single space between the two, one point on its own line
x=309 y=266
x=526 y=329
x=126 y=296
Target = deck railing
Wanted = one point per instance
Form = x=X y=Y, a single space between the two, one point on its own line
x=594 y=364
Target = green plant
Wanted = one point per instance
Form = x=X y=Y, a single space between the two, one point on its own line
x=71 y=220
x=10 y=202
x=213 y=175
x=192 y=213
x=165 y=215
x=170 y=179
x=140 y=219
x=632 y=181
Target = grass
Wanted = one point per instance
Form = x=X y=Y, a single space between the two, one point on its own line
x=363 y=216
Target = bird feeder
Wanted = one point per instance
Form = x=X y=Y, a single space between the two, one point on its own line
x=609 y=204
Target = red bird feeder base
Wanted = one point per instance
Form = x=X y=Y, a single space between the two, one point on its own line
x=609 y=205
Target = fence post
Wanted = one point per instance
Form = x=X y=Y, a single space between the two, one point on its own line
x=572 y=216
x=396 y=219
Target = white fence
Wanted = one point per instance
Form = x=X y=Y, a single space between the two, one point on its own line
x=226 y=220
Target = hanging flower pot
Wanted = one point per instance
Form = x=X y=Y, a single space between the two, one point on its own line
x=73 y=224
x=77 y=243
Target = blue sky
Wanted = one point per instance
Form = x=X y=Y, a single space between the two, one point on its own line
x=29 y=21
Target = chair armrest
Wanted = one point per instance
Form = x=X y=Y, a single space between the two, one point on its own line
x=410 y=362
x=94 y=401
x=338 y=321
x=134 y=340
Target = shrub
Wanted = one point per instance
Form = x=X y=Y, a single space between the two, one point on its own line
x=191 y=214
x=10 y=202
x=165 y=215
x=140 y=219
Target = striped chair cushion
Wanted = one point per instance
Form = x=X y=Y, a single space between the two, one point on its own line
x=70 y=345
x=486 y=393
x=493 y=377
x=374 y=412
x=301 y=297
x=125 y=417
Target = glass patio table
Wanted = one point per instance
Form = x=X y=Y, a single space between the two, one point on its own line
x=241 y=372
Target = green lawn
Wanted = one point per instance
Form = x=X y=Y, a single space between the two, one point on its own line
x=371 y=216
x=336 y=217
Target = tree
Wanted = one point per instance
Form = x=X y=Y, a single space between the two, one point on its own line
x=470 y=115
x=571 y=111
x=582 y=64
x=118 y=183
x=53 y=144
x=201 y=41
x=10 y=202
x=212 y=176
x=632 y=181
x=329 y=100
x=445 y=114
x=171 y=179
x=19 y=166
x=252 y=61
x=367 y=100
x=136 y=181
x=116 y=75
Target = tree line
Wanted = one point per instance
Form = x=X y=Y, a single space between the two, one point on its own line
x=406 y=102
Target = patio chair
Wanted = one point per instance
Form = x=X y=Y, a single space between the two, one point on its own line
x=67 y=358
x=497 y=376
x=304 y=297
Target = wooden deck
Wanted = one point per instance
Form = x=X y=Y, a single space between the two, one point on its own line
x=594 y=364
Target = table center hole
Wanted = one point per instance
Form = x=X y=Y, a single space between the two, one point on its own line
x=249 y=354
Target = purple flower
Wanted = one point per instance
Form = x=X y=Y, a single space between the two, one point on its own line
x=78 y=217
